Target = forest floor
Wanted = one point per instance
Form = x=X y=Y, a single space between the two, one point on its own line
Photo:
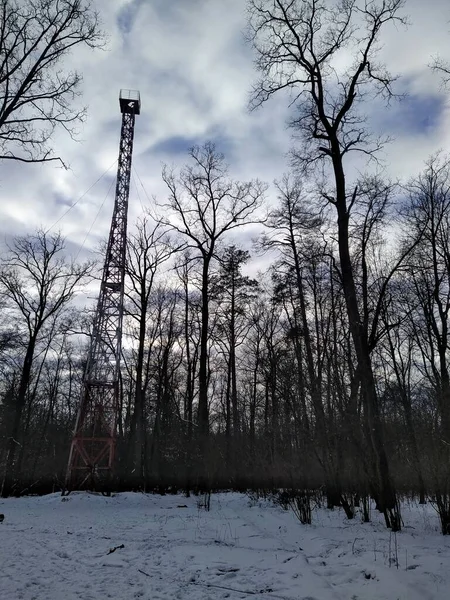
x=54 y=548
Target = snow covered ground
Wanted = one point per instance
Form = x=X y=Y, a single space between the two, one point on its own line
x=54 y=548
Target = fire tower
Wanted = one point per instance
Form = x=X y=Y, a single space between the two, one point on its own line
x=91 y=459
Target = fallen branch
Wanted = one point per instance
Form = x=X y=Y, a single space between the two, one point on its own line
x=223 y=587
x=111 y=550
x=268 y=592
x=144 y=573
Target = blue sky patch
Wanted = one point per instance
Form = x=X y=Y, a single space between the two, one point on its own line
x=62 y=200
x=179 y=146
x=127 y=15
x=415 y=114
x=175 y=146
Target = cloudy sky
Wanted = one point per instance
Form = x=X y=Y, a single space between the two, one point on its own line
x=194 y=71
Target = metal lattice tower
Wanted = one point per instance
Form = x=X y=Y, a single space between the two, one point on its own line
x=91 y=459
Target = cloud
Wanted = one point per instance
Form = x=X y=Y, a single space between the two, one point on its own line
x=127 y=15
x=194 y=73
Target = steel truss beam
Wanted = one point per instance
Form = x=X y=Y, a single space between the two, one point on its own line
x=92 y=452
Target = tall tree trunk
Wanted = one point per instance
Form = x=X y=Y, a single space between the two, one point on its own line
x=386 y=494
x=203 y=378
x=137 y=430
x=203 y=416
x=10 y=468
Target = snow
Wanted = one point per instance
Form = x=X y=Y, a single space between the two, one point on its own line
x=54 y=548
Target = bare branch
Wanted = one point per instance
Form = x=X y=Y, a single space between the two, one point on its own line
x=36 y=96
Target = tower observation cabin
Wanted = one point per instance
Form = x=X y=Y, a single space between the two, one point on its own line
x=130 y=101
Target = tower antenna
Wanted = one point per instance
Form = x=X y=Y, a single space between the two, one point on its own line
x=92 y=451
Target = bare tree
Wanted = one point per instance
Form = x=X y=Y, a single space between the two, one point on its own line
x=37 y=95
x=147 y=249
x=296 y=42
x=443 y=68
x=205 y=205
x=428 y=278
x=398 y=356
x=295 y=229
x=233 y=293
x=429 y=274
x=37 y=281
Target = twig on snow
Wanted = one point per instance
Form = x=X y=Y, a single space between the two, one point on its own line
x=354 y=542
x=111 y=550
x=267 y=592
